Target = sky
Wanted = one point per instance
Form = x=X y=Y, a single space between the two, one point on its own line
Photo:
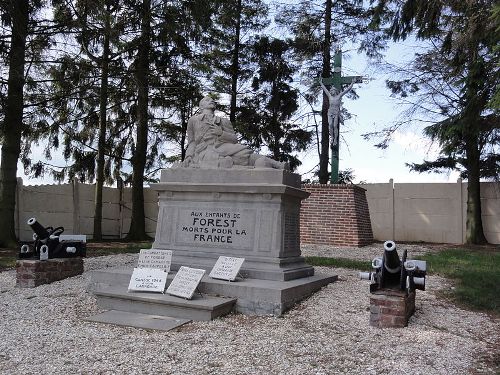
x=372 y=111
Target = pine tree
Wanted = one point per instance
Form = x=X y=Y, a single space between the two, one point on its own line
x=85 y=108
x=227 y=50
x=18 y=15
x=267 y=111
x=167 y=35
x=26 y=34
x=454 y=81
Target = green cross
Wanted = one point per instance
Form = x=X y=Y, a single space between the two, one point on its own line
x=338 y=82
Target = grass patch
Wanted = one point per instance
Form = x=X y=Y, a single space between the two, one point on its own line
x=339 y=262
x=7 y=262
x=476 y=273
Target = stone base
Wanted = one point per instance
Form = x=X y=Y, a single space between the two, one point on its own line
x=254 y=296
x=32 y=273
x=137 y=320
x=335 y=215
x=391 y=308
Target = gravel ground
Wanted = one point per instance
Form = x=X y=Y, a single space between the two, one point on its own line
x=42 y=331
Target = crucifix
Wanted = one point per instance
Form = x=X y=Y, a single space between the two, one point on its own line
x=335 y=95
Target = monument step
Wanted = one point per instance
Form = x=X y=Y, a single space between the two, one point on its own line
x=254 y=296
x=137 y=320
x=202 y=308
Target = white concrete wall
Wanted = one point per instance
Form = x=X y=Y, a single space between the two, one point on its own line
x=403 y=212
x=72 y=206
x=150 y=211
x=433 y=212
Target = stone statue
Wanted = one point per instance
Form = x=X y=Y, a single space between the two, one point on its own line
x=334 y=109
x=212 y=143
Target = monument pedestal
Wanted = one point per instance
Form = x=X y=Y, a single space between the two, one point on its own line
x=250 y=296
x=207 y=213
x=248 y=213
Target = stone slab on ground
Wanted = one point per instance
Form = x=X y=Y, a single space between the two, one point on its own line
x=200 y=308
x=254 y=296
x=144 y=321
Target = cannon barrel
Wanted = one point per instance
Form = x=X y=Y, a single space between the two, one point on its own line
x=392 y=262
x=40 y=231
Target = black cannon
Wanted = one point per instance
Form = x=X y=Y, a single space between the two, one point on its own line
x=49 y=242
x=391 y=272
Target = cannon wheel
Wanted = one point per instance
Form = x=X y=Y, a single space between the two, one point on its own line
x=404 y=273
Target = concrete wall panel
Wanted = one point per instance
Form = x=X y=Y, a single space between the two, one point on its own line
x=413 y=212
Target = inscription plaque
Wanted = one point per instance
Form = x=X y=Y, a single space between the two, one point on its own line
x=226 y=268
x=152 y=258
x=216 y=227
x=148 y=280
x=185 y=282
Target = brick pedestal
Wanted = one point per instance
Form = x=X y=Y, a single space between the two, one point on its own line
x=32 y=273
x=391 y=308
x=335 y=215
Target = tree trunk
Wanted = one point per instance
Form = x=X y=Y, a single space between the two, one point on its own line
x=137 y=229
x=235 y=66
x=476 y=100
x=183 y=133
x=13 y=121
x=101 y=143
x=326 y=72
x=474 y=233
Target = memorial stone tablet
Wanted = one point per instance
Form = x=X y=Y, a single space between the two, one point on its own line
x=148 y=280
x=152 y=258
x=226 y=268
x=185 y=282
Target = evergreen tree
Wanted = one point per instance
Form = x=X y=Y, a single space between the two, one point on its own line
x=26 y=34
x=454 y=80
x=167 y=35
x=85 y=114
x=142 y=89
x=234 y=23
x=18 y=15
x=266 y=113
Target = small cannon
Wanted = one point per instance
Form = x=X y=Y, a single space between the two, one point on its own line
x=390 y=272
x=49 y=242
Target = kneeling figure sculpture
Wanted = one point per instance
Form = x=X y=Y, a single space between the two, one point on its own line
x=212 y=143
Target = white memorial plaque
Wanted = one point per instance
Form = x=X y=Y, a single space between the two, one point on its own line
x=226 y=268
x=152 y=258
x=185 y=282
x=148 y=280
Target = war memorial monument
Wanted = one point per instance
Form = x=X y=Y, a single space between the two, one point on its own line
x=223 y=200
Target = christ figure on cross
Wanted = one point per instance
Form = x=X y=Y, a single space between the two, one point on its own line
x=335 y=110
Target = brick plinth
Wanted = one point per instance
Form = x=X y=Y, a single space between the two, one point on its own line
x=391 y=308
x=32 y=273
x=335 y=215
